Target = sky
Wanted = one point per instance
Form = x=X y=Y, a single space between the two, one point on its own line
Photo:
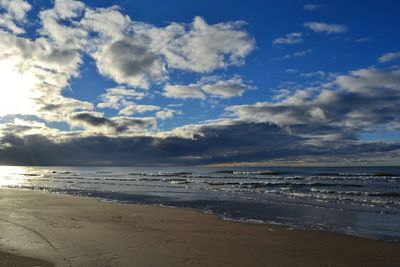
x=220 y=83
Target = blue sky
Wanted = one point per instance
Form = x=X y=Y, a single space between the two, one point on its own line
x=226 y=79
x=360 y=46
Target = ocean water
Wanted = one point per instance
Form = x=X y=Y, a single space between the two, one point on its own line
x=358 y=201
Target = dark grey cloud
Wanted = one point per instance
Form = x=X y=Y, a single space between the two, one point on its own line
x=92 y=119
x=119 y=124
x=237 y=142
x=357 y=101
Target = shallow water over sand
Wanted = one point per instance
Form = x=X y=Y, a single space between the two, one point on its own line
x=360 y=201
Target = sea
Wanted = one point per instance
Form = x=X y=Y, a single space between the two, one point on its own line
x=360 y=201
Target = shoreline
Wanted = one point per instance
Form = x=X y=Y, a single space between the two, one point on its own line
x=82 y=231
x=123 y=198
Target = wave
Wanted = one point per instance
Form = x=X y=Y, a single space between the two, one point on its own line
x=250 y=172
x=281 y=184
x=177 y=181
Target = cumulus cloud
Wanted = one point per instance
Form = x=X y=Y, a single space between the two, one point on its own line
x=167 y=113
x=64 y=36
x=66 y=9
x=347 y=104
x=184 y=91
x=389 y=57
x=129 y=61
x=201 y=47
x=16 y=8
x=139 y=54
x=213 y=86
x=121 y=99
x=61 y=107
x=224 y=88
x=317 y=123
x=133 y=108
x=289 y=39
x=372 y=82
x=116 y=97
x=22 y=127
x=12 y=14
x=38 y=73
x=133 y=54
x=42 y=68
x=321 y=27
x=109 y=23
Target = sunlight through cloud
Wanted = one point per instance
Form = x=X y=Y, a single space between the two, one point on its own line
x=17 y=89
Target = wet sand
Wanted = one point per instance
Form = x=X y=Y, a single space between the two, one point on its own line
x=10 y=260
x=77 y=231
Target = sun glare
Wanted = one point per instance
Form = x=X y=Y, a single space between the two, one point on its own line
x=11 y=175
x=17 y=89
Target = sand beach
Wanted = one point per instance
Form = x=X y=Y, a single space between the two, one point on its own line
x=45 y=229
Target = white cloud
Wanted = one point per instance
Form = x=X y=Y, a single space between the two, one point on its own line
x=17 y=9
x=129 y=61
x=13 y=13
x=213 y=86
x=110 y=23
x=344 y=103
x=313 y=74
x=120 y=98
x=115 y=97
x=63 y=36
x=167 y=113
x=21 y=128
x=389 y=57
x=281 y=94
x=58 y=108
x=294 y=55
x=133 y=108
x=224 y=88
x=139 y=54
x=66 y=9
x=37 y=72
x=204 y=48
x=318 y=114
x=184 y=91
x=106 y=27
x=371 y=82
x=289 y=39
x=131 y=53
x=326 y=28
x=9 y=24
x=311 y=7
